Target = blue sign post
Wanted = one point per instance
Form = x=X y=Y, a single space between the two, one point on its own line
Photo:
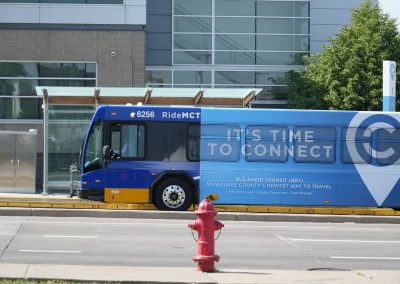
x=389 y=86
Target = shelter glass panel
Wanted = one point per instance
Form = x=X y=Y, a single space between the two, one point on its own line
x=70 y=121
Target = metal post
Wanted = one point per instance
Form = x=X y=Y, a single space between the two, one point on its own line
x=389 y=86
x=45 y=107
x=96 y=98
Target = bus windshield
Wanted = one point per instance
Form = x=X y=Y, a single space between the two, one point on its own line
x=93 y=154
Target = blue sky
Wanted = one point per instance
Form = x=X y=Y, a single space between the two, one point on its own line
x=392 y=7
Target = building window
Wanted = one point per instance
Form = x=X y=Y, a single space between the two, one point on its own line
x=192 y=7
x=66 y=1
x=246 y=35
x=241 y=32
x=18 y=80
x=159 y=78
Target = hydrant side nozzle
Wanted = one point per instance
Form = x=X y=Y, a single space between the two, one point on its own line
x=218 y=225
x=194 y=225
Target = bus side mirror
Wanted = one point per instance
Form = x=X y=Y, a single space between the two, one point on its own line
x=106 y=153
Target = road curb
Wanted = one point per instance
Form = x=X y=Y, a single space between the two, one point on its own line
x=223 y=216
x=301 y=210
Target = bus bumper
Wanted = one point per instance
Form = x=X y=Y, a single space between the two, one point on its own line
x=126 y=195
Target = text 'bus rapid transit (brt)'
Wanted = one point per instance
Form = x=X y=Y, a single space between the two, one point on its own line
x=175 y=156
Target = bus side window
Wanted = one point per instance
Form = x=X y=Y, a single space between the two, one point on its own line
x=388 y=146
x=128 y=141
x=314 y=144
x=193 y=151
x=115 y=142
x=356 y=145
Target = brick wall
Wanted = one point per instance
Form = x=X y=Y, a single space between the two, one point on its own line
x=125 y=69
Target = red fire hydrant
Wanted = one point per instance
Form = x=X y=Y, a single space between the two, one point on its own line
x=206 y=225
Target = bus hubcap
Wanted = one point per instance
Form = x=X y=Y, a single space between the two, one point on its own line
x=173 y=196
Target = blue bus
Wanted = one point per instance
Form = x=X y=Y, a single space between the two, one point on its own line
x=175 y=156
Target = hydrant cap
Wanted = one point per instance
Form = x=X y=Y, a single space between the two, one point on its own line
x=206 y=206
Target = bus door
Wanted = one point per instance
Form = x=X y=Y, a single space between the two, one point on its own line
x=127 y=174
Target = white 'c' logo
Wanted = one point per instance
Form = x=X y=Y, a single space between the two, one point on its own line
x=379 y=180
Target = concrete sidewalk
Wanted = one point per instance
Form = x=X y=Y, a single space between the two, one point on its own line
x=191 y=275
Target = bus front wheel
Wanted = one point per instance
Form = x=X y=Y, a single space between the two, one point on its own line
x=173 y=195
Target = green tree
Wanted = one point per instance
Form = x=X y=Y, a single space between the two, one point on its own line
x=347 y=75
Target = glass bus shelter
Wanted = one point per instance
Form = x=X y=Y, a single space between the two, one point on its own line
x=67 y=112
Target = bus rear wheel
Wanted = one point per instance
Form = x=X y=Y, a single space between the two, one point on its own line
x=173 y=194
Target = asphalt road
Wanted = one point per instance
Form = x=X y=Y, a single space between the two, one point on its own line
x=168 y=243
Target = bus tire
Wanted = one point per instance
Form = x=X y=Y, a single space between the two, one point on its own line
x=173 y=194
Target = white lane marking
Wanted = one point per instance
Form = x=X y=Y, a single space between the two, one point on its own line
x=286 y=240
x=50 y=251
x=366 y=257
x=345 y=241
x=77 y=237
x=104 y=223
x=339 y=228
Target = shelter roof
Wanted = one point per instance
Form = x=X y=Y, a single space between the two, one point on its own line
x=232 y=97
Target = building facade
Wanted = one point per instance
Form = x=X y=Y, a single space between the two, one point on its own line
x=237 y=43
x=154 y=43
